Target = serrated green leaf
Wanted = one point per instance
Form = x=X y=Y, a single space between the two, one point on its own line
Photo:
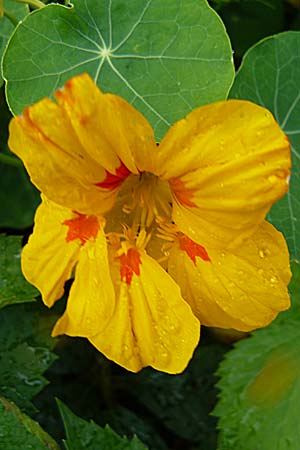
x=25 y=353
x=164 y=60
x=269 y=76
x=19 y=432
x=13 y=286
x=260 y=385
x=125 y=421
x=16 y=11
x=88 y=435
x=182 y=403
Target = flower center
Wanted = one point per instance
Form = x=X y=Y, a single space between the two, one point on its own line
x=146 y=197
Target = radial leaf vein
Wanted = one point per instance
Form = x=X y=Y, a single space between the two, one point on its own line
x=139 y=96
x=133 y=27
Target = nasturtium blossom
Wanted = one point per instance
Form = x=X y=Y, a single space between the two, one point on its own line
x=161 y=237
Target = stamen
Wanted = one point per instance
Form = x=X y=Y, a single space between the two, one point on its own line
x=147 y=197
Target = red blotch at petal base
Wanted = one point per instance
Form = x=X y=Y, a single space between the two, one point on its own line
x=82 y=227
x=193 y=249
x=130 y=264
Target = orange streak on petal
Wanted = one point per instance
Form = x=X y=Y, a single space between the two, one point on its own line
x=193 y=249
x=82 y=227
x=112 y=181
x=130 y=264
x=182 y=193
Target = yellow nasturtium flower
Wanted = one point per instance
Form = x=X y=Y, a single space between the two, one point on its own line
x=162 y=238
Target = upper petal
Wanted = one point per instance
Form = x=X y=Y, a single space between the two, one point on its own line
x=242 y=289
x=56 y=161
x=108 y=127
x=48 y=259
x=152 y=325
x=91 y=300
x=227 y=163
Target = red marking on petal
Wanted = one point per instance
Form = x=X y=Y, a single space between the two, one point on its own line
x=193 y=249
x=130 y=264
x=82 y=227
x=182 y=193
x=112 y=181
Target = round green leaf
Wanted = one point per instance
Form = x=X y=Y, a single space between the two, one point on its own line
x=260 y=385
x=165 y=59
x=13 y=12
x=269 y=76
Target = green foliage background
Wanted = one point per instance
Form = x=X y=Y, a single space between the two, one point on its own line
x=165 y=58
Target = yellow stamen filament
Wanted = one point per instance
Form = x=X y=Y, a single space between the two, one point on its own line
x=147 y=197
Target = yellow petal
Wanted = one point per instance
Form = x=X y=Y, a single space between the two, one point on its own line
x=108 y=127
x=152 y=325
x=227 y=163
x=242 y=289
x=48 y=259
x=92 y=299
x=56 y=161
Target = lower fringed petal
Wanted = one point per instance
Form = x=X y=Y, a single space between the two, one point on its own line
x=152 y=325
x=47 y=259
x=91 y=301
x=244 y=288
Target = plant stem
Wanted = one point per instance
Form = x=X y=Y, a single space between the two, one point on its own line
x=10 y=160
x=11 y=17
x=36 y=4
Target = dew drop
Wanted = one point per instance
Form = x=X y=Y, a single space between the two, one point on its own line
x=272 y=179
x=263 y=252
x=274 y=279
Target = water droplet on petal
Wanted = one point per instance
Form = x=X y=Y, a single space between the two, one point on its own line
x=261 y=253
x=272 y=179
x=274 y=279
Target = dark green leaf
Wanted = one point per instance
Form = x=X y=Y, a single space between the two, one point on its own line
x=19 y=432
x=89 y=436
x=269 y=76
x=183 y=402
x=260 y=386
x=248 y=21
x=127 y=422
x=25 y=354
x=13 y=286
x=164 y=60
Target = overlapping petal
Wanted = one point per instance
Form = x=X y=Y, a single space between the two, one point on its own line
x=60 y=168
x=91 y=300
x=47 y=259
x=227 y=163
x=244 y=288
x=152 y=325
x=107 y=126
